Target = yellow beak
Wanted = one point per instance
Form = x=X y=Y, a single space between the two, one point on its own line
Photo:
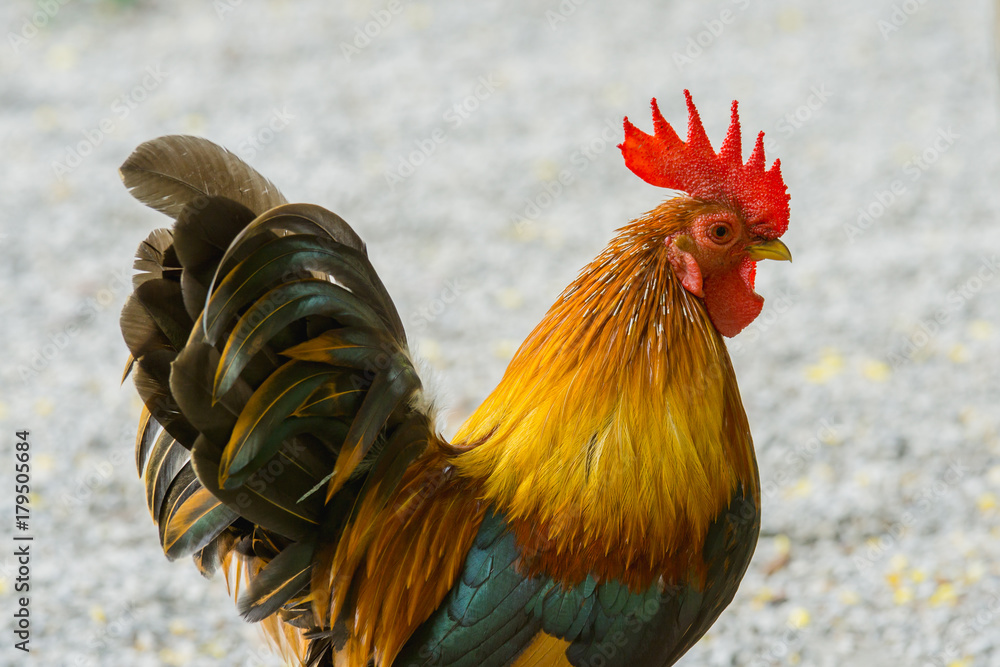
x=769 y=250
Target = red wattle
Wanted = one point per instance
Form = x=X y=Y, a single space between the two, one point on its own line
x=730 y=300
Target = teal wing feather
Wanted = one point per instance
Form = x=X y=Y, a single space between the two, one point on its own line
x=486 y=618
x=493 y=612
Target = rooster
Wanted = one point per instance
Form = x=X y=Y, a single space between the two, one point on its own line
x=599 y=508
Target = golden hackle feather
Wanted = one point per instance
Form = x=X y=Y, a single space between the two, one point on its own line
x=414 y=548
x=618 y=421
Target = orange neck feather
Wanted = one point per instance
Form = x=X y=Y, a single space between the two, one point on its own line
x=617 y=433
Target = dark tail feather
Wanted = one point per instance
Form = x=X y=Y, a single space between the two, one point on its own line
x=171 y=172
x=266 y=346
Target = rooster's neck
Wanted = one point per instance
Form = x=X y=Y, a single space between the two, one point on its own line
x=618 y=425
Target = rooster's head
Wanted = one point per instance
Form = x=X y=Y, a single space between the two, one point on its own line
x=731 y=218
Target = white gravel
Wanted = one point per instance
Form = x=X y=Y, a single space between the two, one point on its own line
x=872 y=379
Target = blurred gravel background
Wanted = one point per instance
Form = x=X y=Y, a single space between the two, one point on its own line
x=440 y=130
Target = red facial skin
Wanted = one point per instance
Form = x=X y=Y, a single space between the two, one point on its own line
x=711 y=261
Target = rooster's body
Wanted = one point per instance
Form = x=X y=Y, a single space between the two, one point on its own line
x=600 y=507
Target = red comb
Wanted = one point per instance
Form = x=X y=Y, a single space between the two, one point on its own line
x=664 y=160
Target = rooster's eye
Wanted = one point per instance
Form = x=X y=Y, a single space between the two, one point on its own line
x=720 y=233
